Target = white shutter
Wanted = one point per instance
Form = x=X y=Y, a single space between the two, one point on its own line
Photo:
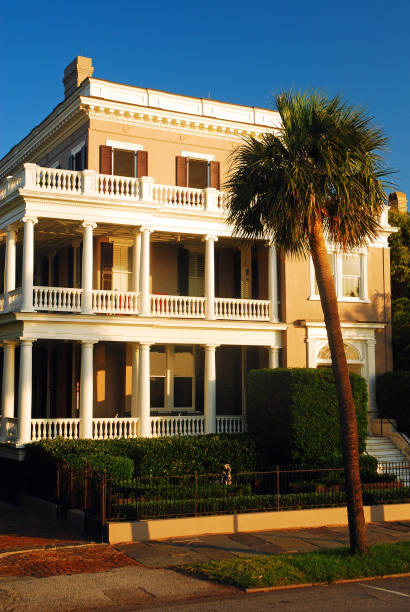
x=196 y=274
x=121 y=267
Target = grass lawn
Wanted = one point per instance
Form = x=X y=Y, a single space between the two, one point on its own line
x=324 y=566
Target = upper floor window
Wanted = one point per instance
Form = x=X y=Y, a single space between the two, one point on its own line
x=349 y=271
x=78 y=157
x=198 y=170
x=123 y=159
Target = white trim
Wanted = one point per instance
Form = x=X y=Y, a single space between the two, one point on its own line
x=78 y=148
x=363 y=298
x=204 y=156
x=127 y=146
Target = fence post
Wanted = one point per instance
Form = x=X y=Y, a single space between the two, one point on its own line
x=103 y=509
x=71 y=493
x=277 y=486
x=196 y=493
x=58 y=486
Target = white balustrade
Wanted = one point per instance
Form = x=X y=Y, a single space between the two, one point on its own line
x=189 y=307
x=61 y=299
x=115 y=302
x=179 y=197
x=232 y=308
x=222 y=200
x=122 y=187
x=15 y=299
x=48 y=429
x=57 y=180
x=167 y=426
x=230 y=424
x=115 y=427
x=8 y=429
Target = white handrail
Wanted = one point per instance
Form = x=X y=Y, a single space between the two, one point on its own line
x=57 y=298
x=178 y=197
x=167 y=426
x=115 y=427
x=55 y=179
x=182 y=306
x=123 y=187
x=233 y=308
x=115 y=302
x=48 y=429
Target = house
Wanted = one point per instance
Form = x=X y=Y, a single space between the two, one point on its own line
x=129 y=307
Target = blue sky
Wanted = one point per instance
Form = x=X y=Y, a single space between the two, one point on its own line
x=240 y=52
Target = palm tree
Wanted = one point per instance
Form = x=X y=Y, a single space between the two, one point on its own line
x=318 y=176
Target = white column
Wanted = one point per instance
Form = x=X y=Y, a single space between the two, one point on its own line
x=273 y=283
x=144 y=401
x=273 y=357
x=25 y=391
x=28 y=264
x=169 y=379
x=145 y=307
x=7 y=392
x=10 y=264
x=87 y=268
x=136 y=262
x=210 y=276
x=210 y=389
x=134 y=390
x=86 y=389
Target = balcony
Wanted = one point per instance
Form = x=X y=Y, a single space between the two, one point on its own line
x=90 y=184
x=61 y=299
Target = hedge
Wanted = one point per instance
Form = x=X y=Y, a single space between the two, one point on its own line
x=295 y=410
x=393 y=398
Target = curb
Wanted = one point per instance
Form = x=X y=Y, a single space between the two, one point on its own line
x=313 y=584
x=50 y=547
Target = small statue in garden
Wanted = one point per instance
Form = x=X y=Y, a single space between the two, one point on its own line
x=226 y=475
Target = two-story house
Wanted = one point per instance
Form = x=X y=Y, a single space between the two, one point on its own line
x=129 y=307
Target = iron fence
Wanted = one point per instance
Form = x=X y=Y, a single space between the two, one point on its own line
x=282 y=488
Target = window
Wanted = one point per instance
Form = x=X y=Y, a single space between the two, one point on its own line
x=116 y=266
x=197 y=170
x=349 y=272
x=123 y=159
x=78 y=158
x=196 y=274
x=183 y=377
x=157 y=376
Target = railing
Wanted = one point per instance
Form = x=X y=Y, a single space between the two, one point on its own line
x=118 y=187
x=115 y=302
x=232 y=308
x=48 y=429
x=54 y=179
x=8 y=429
x=179 y=197
x=230 y=424
x=15 y=299
x=167 y=426
x=11 y=184
x=109 y=428
x=57 y=298
x=178 y=306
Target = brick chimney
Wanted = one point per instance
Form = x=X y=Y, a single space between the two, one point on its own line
x=398 y=200
x=76 y=72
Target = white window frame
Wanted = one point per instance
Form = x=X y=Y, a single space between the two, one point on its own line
x=363 y=296
x=77 y=148
x=126 y=146
x=205 y=156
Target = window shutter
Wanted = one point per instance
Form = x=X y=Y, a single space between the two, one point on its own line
x=237 y=274
x=182 y=171
x=255 y=278
x=105 y=159
x=106 y=265
x=215 y=174
x=142 y=163
x=183 y=267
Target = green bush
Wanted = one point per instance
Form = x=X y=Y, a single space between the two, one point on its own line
x=295 y=411
x=118 y=468
x=393 y=393
x=157 y=456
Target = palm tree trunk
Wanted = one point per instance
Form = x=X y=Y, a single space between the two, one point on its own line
x=347 y=416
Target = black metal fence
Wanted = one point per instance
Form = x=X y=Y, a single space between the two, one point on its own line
x=283 y=488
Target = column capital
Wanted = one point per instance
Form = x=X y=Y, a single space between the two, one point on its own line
x=10 y=343
x=209 y=237
x=211 y=347
x=13 y=227
x=89 y=223
x=273 y=348
x=89 y=341
x=145 y=345
x=146 y=229
x=32 y=220
x=27 y=341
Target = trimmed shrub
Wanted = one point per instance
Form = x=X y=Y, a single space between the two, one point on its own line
x=393 y=398
x=158 y=456
x=295 y=411
x=118 y=468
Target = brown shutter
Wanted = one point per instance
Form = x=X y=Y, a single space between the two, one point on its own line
x=215 y=175
x=106 y=265
x=105 y=159
x=142 y=163
x=182 y=171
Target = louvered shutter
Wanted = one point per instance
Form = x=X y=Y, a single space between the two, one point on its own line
x=105 y=159
x=142 y=163
x=255 y=278
x=182 y=171
x=106 y=265
x=237 y=274
x=183 y=268
x=215 y=180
